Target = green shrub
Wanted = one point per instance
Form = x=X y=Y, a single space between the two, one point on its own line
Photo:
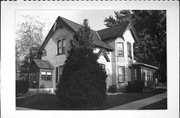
x=112 y=89
x=135 y=86
x=22 y=86
x=83 y=80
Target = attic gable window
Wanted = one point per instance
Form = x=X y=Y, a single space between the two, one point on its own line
x=120 y=49
x=61 y=44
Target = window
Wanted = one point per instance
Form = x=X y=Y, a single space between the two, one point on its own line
x=120 y=49
x=135 y=74
x=46 y=76
x=121 y=74
x=58 y=73
x=59 y=47
x=149 y=75
x=43 y=75
x=103 y=67
x=129 y=50
x=61 y=44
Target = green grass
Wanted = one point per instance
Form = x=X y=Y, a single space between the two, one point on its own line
x=158 y=105
x=51 y=102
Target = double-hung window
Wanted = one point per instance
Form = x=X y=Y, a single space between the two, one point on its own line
x=59 y=73
x=135 y=74
x=120 y=49
x=129 y=50
x=43 y=75
x=46 y=76
x=121 y=74
x=61 y=44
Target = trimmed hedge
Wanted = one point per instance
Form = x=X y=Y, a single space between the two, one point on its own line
x=135 y=86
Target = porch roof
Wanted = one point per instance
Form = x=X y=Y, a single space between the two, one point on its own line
x=43 y=64
x=143 y=64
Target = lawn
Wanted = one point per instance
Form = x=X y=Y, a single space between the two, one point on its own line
x=51 y=102
x=158 y=105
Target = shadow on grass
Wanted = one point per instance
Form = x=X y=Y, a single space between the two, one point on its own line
x=51 y=102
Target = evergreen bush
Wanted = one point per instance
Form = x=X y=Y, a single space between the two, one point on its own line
x=83 y=81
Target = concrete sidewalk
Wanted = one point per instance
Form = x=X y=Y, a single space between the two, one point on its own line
x=140 y=103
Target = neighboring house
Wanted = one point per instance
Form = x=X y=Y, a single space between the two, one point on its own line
x=113 y=45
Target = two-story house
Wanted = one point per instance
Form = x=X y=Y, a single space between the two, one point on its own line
x=113 y=45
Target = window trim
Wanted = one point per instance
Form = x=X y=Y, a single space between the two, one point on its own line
x=122 y=55
x=61 y=42
x=123 y=75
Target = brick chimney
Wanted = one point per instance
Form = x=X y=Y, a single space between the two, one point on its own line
x=86 y=23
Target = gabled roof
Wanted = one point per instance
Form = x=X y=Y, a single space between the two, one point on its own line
x=43 y=64
x=74 y=27
x=96 y=39
x=116 y=31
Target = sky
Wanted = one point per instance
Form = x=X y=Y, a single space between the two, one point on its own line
x=95 y=17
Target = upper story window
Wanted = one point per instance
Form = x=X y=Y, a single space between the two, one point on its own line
x=61 y=44
x=129 y=50
x=120 y=49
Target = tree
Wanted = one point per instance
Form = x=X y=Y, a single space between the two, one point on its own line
x=150 y=26
x=30 y=33
x=83 y=79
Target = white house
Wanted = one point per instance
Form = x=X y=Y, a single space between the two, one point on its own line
x=114 y=46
